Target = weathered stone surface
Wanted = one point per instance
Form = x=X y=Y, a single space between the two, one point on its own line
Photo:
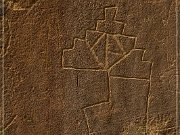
x=132 y=66
x=92 y=37
x=77 y=89
x=100 y=50
x=89 y=67
x=80 y=57
x=128 y=102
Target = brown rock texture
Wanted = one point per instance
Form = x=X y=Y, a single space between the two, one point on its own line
x=89 y=67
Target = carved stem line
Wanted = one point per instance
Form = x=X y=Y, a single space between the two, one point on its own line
x=3 y=70
x=148 y=102
x=177 y=72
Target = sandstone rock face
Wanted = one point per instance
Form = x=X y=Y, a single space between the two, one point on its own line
x=89 y=67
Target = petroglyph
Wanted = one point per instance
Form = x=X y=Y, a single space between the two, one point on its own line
x=115 y=55
x=90 y=67
x=103 y=43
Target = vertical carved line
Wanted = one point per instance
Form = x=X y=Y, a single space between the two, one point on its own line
x=177 y=72
x=3 y=70
x=148 y=103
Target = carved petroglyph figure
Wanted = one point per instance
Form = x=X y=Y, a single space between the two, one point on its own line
x=106 y=49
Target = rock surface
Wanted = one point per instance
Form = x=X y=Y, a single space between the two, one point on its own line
x=89 y=67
